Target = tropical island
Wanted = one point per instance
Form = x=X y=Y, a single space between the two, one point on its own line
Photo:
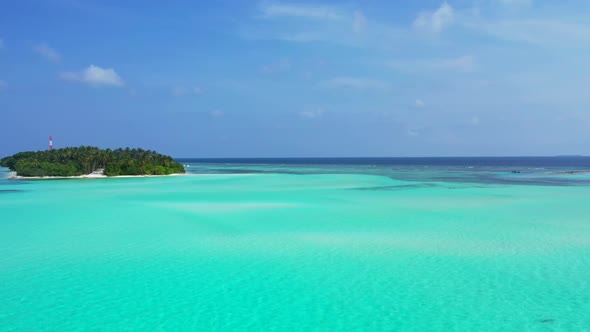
x=92 y=162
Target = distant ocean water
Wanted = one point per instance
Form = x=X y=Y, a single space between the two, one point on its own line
x=549 y=162
x=508 y=170
x=369 y=244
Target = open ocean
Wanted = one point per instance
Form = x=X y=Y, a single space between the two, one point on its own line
x=346 y=244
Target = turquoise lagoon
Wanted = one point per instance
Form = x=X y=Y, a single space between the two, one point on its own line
x=297 y=248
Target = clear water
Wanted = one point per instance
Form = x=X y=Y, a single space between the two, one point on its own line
x=284 y=247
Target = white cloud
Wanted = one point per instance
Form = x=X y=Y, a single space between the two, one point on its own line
x=179 y=91
x=300 y=37
x=543 y=32
x=355 y=83
x=3 y=85
x=307 y=74
x=516 y=4
x=277 y=66
x=346 y=26
x=435 y=21
x=419 y=103
x=299 y=10
x=216 y=114
x=96 y=76
x=312 y=114
x=47 y=52
x=359 y=21
x=182 y=91
x=464 y=63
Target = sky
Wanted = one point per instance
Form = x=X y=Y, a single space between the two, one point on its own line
x=297 y=78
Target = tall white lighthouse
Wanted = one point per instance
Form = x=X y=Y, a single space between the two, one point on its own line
x=50 y=143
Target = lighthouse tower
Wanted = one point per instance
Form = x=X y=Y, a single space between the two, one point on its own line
x=50 y=143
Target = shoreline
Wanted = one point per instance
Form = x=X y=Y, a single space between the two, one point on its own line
x=13 y=176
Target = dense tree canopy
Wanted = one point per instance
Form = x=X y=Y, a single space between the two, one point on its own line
x=87 y=159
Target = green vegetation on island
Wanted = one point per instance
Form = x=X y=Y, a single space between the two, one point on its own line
x=86 y=159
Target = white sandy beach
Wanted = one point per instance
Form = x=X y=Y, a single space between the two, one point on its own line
x=98 y=174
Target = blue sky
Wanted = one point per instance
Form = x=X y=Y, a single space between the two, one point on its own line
x=293 y=78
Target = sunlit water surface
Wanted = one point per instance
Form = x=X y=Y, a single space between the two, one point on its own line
x=283 y=247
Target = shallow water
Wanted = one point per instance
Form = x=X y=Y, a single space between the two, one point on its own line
x=329 y=248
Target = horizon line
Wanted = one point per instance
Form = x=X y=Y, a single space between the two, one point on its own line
x=367 y=157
